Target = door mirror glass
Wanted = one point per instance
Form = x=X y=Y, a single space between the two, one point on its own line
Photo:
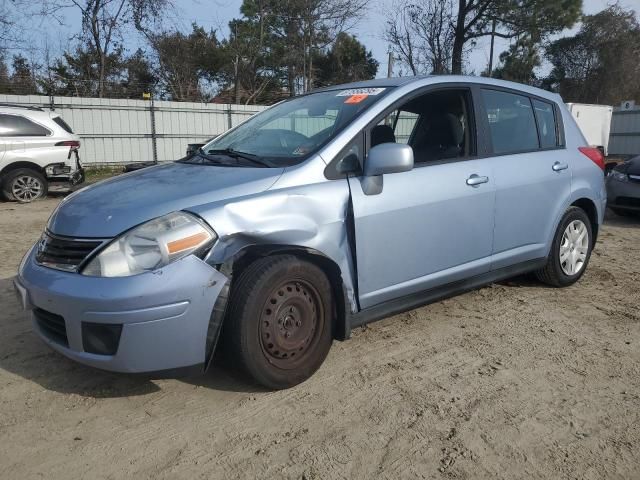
x=388 y=158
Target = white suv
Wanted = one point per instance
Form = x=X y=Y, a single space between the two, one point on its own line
x=38 y=150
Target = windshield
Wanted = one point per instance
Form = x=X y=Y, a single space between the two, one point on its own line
x=285 y=134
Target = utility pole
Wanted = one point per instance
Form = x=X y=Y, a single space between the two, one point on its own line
x=236 y=91
x=154 y=139
x=390 y=65
x=493 y=38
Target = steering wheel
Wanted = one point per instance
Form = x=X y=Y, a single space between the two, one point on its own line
x=291 y=139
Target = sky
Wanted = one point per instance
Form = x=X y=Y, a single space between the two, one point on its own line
x=369 y=30
x=216 y=14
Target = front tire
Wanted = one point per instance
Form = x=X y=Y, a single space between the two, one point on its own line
x=24 y=185
x=570 y=250
x=279 y=327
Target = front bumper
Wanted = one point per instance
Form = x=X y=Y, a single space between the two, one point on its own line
x=166 y=316
x=623 y=195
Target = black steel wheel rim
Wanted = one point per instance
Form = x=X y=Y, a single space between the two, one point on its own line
x=291 y=321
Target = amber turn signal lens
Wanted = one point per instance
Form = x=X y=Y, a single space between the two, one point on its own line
x=187 y=242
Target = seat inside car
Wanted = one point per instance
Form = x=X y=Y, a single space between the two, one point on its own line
x=382 y=134
x=439 y=136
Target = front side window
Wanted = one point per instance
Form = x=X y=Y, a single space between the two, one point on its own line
x=511 y=122
x=435 y=125
x=546 y=124
x=401 y=123
x=286 y=133
x=19 y=126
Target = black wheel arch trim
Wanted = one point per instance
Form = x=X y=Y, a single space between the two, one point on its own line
x=247 y=255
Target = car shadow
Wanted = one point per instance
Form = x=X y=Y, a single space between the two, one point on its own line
x=223 y=375
x=23 y=354
x=527 y=280
x=616 y=220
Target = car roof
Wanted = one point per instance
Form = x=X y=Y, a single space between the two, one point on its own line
x=16 y=107
x=33 y=112
x=436 y=79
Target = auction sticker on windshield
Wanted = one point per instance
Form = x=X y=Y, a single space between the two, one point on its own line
x=360 y=91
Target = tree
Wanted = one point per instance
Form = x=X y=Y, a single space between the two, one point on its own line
x=253 y=60
x=535 y=18
x=184 y=61
x=421 y=35
x=600 y=63
x=294 y=31
x=8 y=18
x=5 y=86
x=102 y=25
x=86 y=73
x=76 y=74
x=23 y=80
x=138 y=76
x=519 y=62
x=346 y=61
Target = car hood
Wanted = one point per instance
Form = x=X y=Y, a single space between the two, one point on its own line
x=108 y=208
x=632 y=167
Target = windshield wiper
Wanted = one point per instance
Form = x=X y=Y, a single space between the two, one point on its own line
x=257 y=160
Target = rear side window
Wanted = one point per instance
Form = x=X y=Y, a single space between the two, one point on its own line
x=65 y=126
x=18 y=126
x=546 y=124
x=511 y=122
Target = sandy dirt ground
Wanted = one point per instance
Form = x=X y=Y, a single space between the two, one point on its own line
x=515 y=380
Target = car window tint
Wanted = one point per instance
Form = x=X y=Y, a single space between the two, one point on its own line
x=402 y=123
x=546 y=124
x=18 y=126
x=511 y=122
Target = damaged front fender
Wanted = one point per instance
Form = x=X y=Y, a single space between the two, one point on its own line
x=312 y=216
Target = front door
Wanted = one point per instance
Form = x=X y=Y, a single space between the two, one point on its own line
x=434 y=224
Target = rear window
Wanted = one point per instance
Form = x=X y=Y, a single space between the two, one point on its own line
x=19 y=126
x=511 y=122
x=546 y=124
x=63 y=124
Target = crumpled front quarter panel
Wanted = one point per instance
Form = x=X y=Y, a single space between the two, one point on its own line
x=309 y=215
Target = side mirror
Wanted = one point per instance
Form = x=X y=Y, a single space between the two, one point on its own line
x=388 y=158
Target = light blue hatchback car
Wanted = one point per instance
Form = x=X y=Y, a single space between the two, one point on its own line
x=322 y=213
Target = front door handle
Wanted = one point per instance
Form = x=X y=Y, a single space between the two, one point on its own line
x=475 y=180
x=559 y=166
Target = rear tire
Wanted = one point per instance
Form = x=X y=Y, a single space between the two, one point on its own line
x=280 y=320
x=570 y=250
x=24 y=185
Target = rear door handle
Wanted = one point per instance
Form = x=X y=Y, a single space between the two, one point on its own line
x=475 y=180
x=559 y=166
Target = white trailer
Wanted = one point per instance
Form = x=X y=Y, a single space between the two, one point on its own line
x=595 y=123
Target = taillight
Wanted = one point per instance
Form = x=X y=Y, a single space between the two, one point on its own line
x=594 y=154
x=69 y=143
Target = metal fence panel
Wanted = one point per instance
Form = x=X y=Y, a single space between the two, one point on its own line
x=117 y=131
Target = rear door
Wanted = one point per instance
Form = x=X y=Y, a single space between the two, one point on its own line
x=26 y=139
x=531 y=171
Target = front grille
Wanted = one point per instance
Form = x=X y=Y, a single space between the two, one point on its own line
x=64 y=253
x=628 y=202
x=52 y=326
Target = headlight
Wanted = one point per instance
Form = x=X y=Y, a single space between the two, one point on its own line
x=620 y=176
x=152 y=245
